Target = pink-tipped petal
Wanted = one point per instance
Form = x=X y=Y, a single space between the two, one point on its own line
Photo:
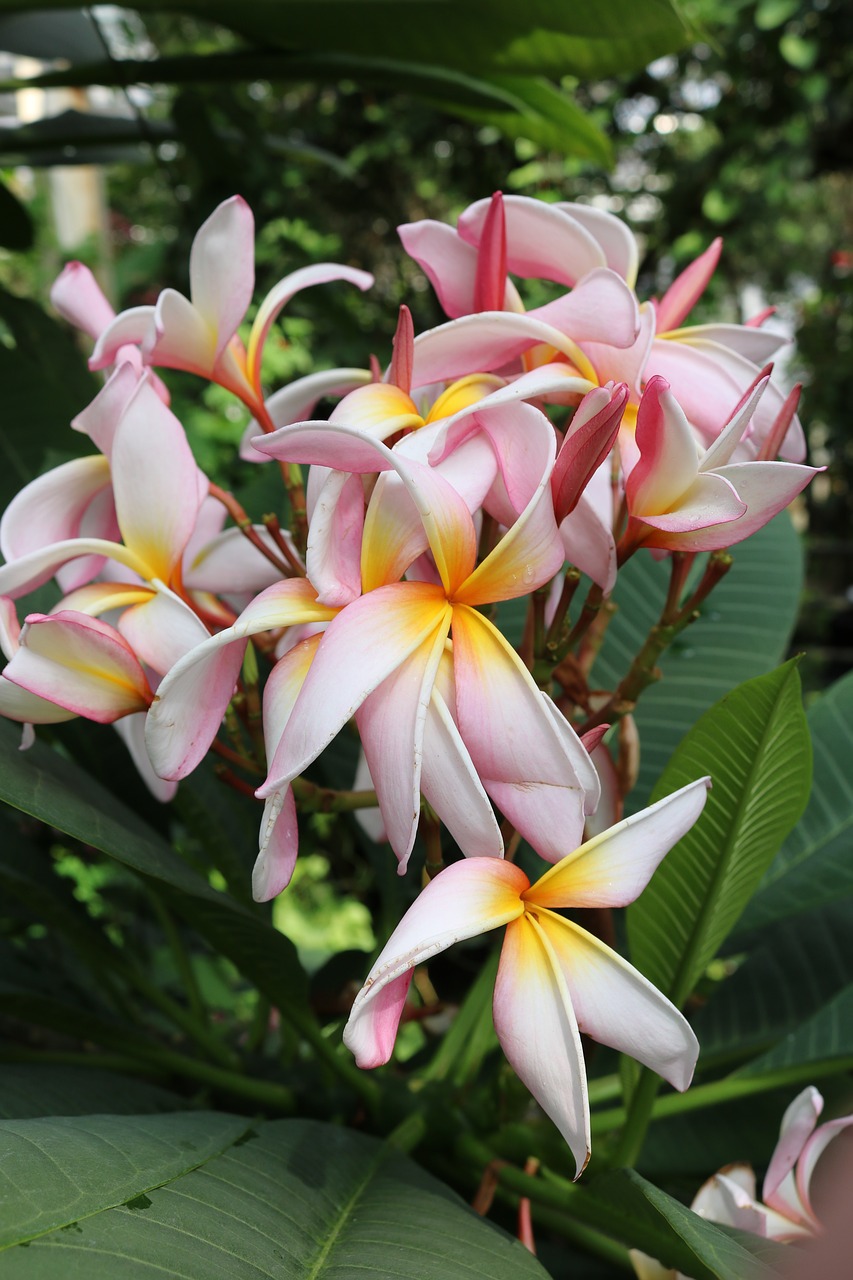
x=617 y=1006
x=449 y=263
x=538 y=1031
x=688 y=287
x=490 y=280
x=78 y=298
x=333 y=556
x=51 y=508
x=465 y=900
x=669 y=458
x=134 y=327
x=222 y=269
x=81 y=664
x=100 y=418
x=589 y=441
x=798 y=1125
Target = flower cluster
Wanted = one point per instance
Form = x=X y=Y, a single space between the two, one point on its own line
x=499 y=456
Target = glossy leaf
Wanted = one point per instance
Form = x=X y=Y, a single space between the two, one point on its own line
x=684 y=1240
x=59 y=1170
x=814 y=864
x=295 y=1199
x=755 y=745
x=743 y=632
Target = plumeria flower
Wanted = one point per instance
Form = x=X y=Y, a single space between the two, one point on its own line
x=678 y=500
x=456 y=722
x=199 y=333
x=786 y=1211
x=555 y=980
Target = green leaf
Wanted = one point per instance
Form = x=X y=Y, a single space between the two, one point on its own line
x=59 y=1170
x=814 y=866
x=667 y=1230
x=547 y=116
x=790 y=972
x=820 y=1039
x=743 y=632
x=42 y=1089
x=300 y=1200
x=755 y=745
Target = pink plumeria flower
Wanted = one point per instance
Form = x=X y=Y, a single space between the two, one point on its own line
x=678 y=500
x=555 y=980
x=786 y=1211
x=17 y=703
x=199 y=333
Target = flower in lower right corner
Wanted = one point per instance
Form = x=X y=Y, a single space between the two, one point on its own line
x=555 y=980
x=787 y=1210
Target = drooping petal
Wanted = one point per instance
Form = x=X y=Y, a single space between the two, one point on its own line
x=538 y=1030
x=280 y=295
x=191 y=701
x=613 y=868
x=617 y=1006
x=81 y=664
x=450 y=784
x=222 y=269
x=516 y=747
x=364 y=644
x=131 y=730
x=391 y=726
x=466 y=899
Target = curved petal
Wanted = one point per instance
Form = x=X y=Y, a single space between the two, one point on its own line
x=50 y=508
x=100 y=418
x=79 y=299
x=518 y=751
x=448 y=262
x=625 y=364
x=669 y=457
x=333 y=554
x=134 y=327
x=179 y=337
x=298 y=400
x=162 y=630
x=757 y=345
x=28 y=708
x=229 y=564
x=711 y=501
x=30 y=571
x=811 y=1154
x=280 y=295
x=81 y=664
x=278 y=846
x=616 y=240
x=191 y=701
x=613 y=868
x=543 y=242
x=391 y=726
x=798 y=1125
x=538 y=1031
x=485 y=341
x=600 y=309
x=222 y=269
x=362 y=646
x=466 y=899
x=617 y=1006
x=589 y=545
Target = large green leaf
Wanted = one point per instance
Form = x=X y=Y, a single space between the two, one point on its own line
x=543 y=37
x=705 y=1251
x=544 y=114
x=814 y=865
x=58 y=1170
x=755 y=745
x=818 y=1040
x=300 y=1200
x=793 y=969
x=743 y=632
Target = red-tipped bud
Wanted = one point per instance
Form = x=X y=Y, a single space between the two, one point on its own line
x=490 y=281
x=588 y=441
x=400 y=373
